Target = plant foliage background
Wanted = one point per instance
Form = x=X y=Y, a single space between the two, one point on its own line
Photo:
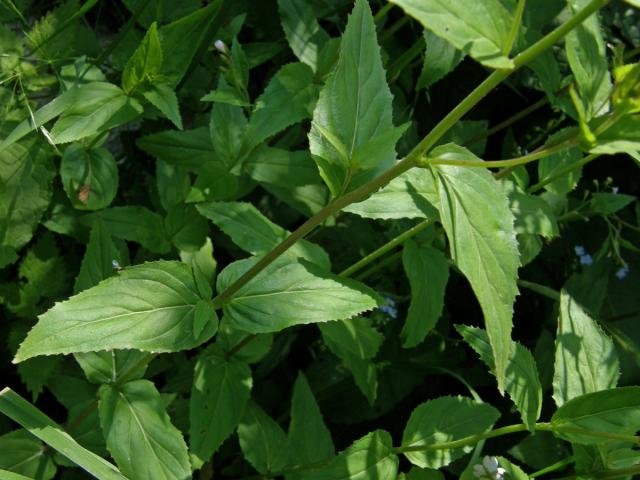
x=319 y=239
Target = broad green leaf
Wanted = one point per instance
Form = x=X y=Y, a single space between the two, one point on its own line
x=253 y=232
x=586 y=359
x=290 y=293
x=164 y=99
x=555 y=164
x=173 y=184
x=220 y=391
x=475 y=214
x=615 y=411
x=215 y=182
x=538 y=450
x=26 y=173
x=622 y=137
x=262 y=440
x=480 y=29
x=35 y=373
x=586 y=52
x=190 y=149
x=145 y=63
x=184 y=39
x=147 y=307
x=428 y=273
x=89 y=177
x=445 y=419
x=354 y=113
x=185 y=228
x=532 y=214
x=305 y=36
x=97 y=262
x=227 y=128
x=607 y=203
x=309 y=440
x=202 y=261
x=356 y=341
x=97 y=107
x=107 y=367
x=7 y=475
x=440 y=58
x=289 y=98
x=22 y=453
x=136 y=224
x=410 y=195
x=306 y=199
x=471 y=132
x=139 y=433
x=227 y=95
x=228 y=338
x=522 y=381
x=370 y=457
x=41 y=426
x=282 y=167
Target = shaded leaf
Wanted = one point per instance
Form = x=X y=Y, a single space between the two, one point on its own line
x=262 y=440
x=305 y=36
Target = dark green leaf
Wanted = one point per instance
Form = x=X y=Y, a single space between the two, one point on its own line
x=136 y=224
x=145 y=63
x=440 y=59
x=608 y=203
x=190 y=149
x=227 y=128
x=164 y=99
x=262 y=440
x=23 y=453
x=107 y=367
x=306 y=37
x=186 y=228
x=173 y=184
x=281 y=167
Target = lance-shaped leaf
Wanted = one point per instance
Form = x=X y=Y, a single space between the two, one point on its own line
x=479 y=28
x=221 y=388
x=149 y=307
x=227 y=127
x=613 y=411
x=522 y=380
x=252 y=231
x=440 y=58
x=445 y=419
x=352 y=135
x=428 y=273
x=309 y=439
x=164 y=99
x=136 y=224
x=411 y=195
x=190 y=149
x=480 y=226
x=306 y=37
x=369 y=457
x=262 y=440
x=139 y=433
x=586 y=360
x=290 y=293
x=280 y=167
x=145 y=63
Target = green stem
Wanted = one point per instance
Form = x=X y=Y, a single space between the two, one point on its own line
x=394 y=28
x=559 y=465
x=405 y=59
x=18 y=13
x=515 y=26
x=541 y=184
x=382 y=13
x=541 y=289
x=399 y=240
x=379 y=266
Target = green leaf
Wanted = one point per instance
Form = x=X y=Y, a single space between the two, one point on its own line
x=35 y=373
x=107 y=367
x=410 y=195
x=289 y=98
x=7 y=475
x=97 y=107
x=522 y=380
x=89 y=177
x=428 y=273
x=215 y=182
x=479 y=224
x=202 y=261
x=262 y=440
x=190 y=149
x=164 y=99
x=220 y=391
x=139 y=433
x=607 y=203
x=532 y=214
x=282 y=167
x=480 y=29
x=136 y=224
x=186 y=229
x=147 y=307
x=440 y=59
x=585 y=360
x=184 y=39
x=145 y=63
x=370 y=457
x=23 y=454
x=290 y=293
x=586 y=52
x=354 y=109
x=622 y=137
x=309 y=440
x=554 y=164
x=26 y=173
x=356 y=341
x=227 y=128
x=445 y=419
x=253 y=232
x=39 y=425
x=305 y=36
x=97 y=262
x=615 y=411
x=173 y=184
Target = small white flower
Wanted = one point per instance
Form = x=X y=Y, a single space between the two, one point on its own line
x=489 y=469
x=615 y=190
x=221 y=46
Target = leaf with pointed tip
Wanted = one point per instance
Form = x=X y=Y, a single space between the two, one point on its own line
x=478 y=28
x=164 y=99
x=146 y=61
x=107 y=367
x=305 y=36
x=354 y=109
x=288 y=293
x=148 y=307
x=283 y=168
x=136 y=224
x=227 y=127
x=262 y=440
x=440 y=58
x=154 y=448
x=480 y=226
x=190 y=149
x=24 y=454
